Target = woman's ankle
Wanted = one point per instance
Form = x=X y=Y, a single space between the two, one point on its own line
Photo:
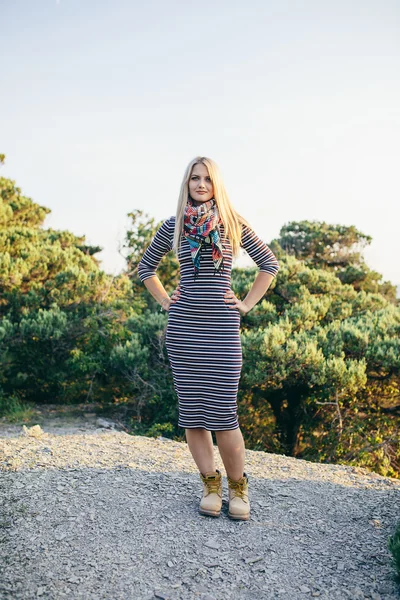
x=208 y=471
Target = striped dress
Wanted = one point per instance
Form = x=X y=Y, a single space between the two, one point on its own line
x=203 y=333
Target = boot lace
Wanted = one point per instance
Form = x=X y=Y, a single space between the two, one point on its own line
x=238 y=488
x=212 y=485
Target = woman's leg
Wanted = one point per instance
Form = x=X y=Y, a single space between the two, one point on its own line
x=201 y=446
x=232 y=451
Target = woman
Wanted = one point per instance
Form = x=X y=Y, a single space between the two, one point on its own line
x=203 y=332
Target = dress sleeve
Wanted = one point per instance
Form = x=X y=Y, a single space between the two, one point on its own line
x=258 y=250
x=159 y=246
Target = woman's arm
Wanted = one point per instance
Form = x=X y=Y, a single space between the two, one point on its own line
x=267 y=262
x=256 y=292
x=158 y=291
x=160 y=245
x=258 y=289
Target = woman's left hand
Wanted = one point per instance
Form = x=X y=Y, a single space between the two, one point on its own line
x=233 y=302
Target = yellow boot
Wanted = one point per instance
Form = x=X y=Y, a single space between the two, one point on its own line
x=239 y=505
x=211 y=501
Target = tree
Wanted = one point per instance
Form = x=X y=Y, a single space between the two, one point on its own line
x=321 y=368
x=60 y=314
x=337 y=248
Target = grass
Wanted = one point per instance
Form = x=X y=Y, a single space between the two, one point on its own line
x=394 y=547
x=13 y=410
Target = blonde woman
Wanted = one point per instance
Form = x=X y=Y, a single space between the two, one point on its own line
x=203 y=332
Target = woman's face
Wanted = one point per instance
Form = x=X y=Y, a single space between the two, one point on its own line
x=201 y=187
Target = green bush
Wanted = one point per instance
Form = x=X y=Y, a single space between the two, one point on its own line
x=14 y=410
x=394 y=547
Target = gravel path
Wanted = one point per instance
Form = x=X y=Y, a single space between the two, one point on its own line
x=102 y=514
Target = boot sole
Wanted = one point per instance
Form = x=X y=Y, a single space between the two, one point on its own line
x=210 y=513
x=239 y=517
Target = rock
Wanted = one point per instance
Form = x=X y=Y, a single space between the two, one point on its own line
x=105 y=423
x=253 y=559
x=35 y=431
x=212 y=544
x=108 y=531
x=305 y=589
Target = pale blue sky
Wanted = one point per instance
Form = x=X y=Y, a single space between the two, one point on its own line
x=103 y=104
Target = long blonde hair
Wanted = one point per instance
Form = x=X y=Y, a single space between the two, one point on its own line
x=231 y=219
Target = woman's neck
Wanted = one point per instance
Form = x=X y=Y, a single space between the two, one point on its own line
x=198 y=202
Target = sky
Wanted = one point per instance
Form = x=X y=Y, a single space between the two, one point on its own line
x=104 y=104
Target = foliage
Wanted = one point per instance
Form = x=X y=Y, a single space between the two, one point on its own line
x=394 y=547
x=142 y=363
x=68 y=331
x=322 y=362
x=13 y=410
x=334 y=247
x=60 y=314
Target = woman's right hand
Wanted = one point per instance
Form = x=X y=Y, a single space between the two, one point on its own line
x=176 y=294
x=167 y=301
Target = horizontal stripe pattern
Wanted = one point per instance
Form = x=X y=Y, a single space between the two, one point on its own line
x=203 y=332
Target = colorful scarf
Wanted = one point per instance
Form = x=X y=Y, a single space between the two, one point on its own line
x=200 y=222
